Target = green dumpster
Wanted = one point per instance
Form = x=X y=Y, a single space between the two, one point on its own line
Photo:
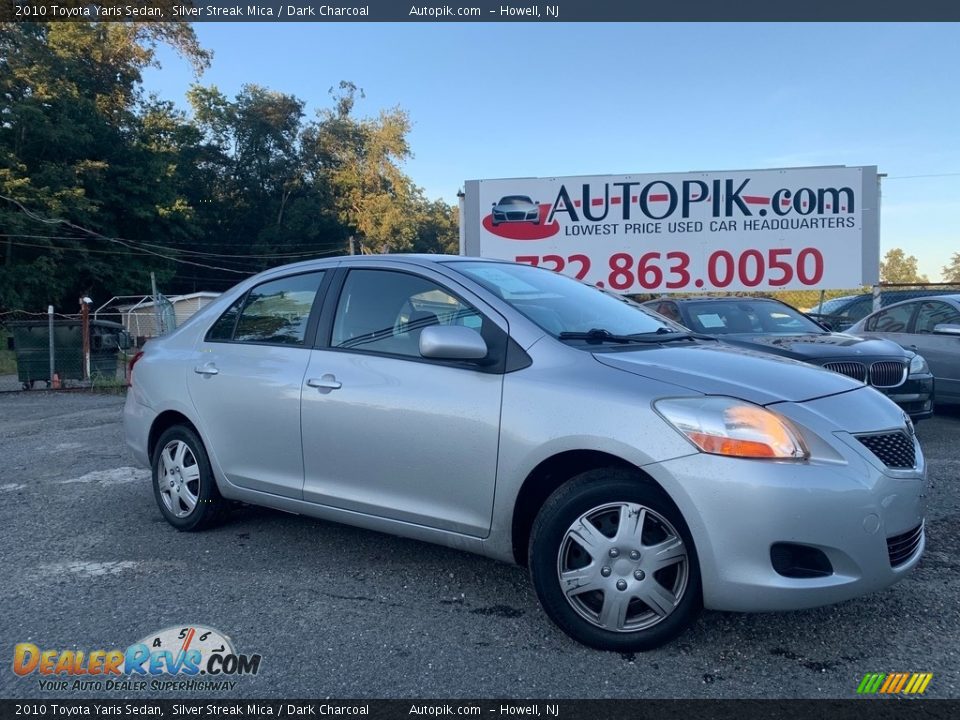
x=31 y=342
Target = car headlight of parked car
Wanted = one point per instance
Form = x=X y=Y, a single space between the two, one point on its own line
x=727 y=426
x=918 y=365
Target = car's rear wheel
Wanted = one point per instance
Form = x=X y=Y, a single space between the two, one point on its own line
x=183 y=483
x=613 y=562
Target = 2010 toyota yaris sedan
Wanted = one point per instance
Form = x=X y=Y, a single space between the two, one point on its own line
x=640 y=471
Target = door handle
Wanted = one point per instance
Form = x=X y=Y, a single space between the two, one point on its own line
x=206 y=369
x=327 y=382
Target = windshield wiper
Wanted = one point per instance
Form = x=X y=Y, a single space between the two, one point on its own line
x=661 y=335
x=666 y=335
x=599 y=335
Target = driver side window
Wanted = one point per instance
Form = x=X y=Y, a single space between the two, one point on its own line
x=385 y=311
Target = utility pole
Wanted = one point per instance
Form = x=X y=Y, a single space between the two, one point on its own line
x=85 y=329
x=50 y=331
x=156 y=304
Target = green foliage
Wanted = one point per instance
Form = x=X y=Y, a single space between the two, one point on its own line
x=951 y=271
x=77 y=145
x=201 y=199
x=898 y=267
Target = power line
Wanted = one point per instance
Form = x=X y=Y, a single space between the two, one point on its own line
x=67 y=249
x=144 y=250
x=139 y=251
x=118 y=241
x=912 y=177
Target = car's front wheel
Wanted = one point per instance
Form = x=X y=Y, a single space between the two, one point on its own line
x=183 y=483
x=613 y=563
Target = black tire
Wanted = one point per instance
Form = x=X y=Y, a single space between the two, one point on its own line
x=583 y=494
x=210 y=508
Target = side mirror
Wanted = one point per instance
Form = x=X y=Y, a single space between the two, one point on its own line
x=947 y=329
x=452 y=342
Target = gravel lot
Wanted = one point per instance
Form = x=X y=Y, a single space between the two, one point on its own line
x=86 y=562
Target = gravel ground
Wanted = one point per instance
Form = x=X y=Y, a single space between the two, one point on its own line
x=86 y=562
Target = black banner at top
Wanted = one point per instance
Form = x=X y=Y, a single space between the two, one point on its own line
x=423 y=709
x=477 y=11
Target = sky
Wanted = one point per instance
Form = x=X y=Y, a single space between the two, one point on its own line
x=498 y=100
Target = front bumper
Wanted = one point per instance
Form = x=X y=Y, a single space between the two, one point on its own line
x=915 y=396
x=738 y=509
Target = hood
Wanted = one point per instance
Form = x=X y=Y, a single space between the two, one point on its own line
x=717 y=369
x=823 y=346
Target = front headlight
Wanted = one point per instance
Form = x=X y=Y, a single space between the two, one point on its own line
x=918 y=366
x=727 y=426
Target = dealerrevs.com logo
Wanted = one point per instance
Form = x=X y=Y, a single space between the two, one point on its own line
x=180 y=658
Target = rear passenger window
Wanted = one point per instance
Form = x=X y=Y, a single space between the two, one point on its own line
x=892 y=320
x=222 y=329
x=277 y=312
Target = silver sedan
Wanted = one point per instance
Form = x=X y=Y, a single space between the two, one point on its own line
x=929 y=326
x=638 y=470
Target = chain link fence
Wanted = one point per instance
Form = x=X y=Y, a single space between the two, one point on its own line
x=34 y=358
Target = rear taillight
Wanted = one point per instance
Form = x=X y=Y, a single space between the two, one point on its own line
x=133 y=361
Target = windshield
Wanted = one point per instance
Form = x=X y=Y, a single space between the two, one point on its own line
x=515 y=200
x=560 y=304
x=723 y=317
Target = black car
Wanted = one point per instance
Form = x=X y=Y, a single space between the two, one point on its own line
x=774 y=327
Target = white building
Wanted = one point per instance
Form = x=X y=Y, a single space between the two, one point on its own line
x=139 y=318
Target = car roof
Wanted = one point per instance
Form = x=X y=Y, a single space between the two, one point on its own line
x=421 y=259
x=955 y=297
x=701 y=298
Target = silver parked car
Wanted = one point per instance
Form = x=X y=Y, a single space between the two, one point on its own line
x=640 y=471
x=929 y=326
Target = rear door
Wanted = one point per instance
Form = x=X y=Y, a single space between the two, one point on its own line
x=389 y=433
x=942 y=352
x=246 y=383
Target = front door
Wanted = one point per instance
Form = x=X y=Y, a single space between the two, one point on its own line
x=389 y=433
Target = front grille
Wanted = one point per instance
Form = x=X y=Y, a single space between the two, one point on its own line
x=895 y=449
x=516 y=215
x=888 y=374
x=858 y=371
x=902 y=547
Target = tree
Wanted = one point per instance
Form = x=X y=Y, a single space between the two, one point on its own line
x=438 y=228
x=76 y=154
x=951 y=271
x=898 y=267
x=360 y=161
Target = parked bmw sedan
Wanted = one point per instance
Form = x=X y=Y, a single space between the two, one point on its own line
x=639 y=471
x=770 y=326
x=928 y=325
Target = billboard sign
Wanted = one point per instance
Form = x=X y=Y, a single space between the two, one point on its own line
x=759 y=230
